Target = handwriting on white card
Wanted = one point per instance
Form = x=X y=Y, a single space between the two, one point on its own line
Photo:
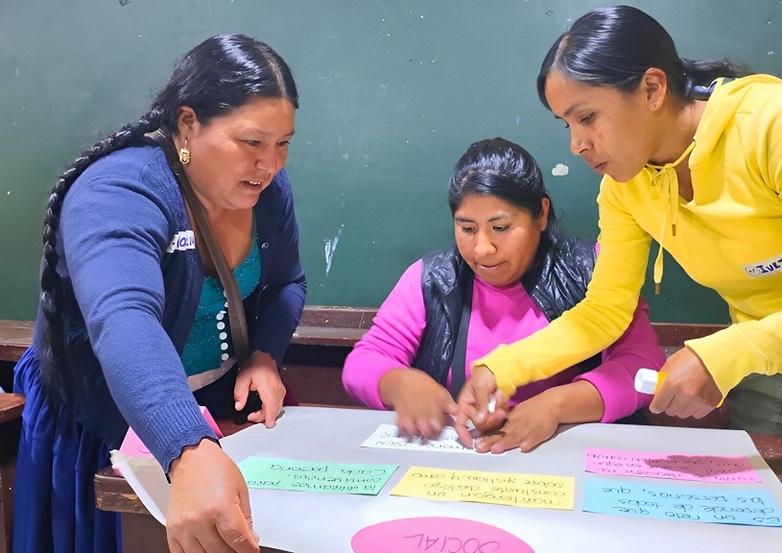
x=387 y=437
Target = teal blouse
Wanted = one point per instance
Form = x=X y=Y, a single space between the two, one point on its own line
x=209 y=342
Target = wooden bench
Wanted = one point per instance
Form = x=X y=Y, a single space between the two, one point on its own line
x=324 y=337
x=313 y=363
x=312 y=366
x=11 y=406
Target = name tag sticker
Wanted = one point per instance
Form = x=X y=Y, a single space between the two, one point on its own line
x=767 y=267
x=182 y=240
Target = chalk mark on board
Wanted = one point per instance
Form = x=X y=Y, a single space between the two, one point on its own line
x=330 y=248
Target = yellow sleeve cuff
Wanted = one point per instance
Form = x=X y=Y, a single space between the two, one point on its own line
x=729 y=356
x=492 y=361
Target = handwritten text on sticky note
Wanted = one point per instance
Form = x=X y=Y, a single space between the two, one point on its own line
x=312 y=476
x=702 y=468
x=520 y=490
x=751 y=507
x=387 y=437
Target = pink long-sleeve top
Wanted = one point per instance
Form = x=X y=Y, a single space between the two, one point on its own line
x=500 y=315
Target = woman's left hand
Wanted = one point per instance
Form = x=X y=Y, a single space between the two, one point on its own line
x=529 y=424
x=259 y=372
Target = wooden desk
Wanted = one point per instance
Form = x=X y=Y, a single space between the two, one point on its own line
x=141 y=532
x=11 y=406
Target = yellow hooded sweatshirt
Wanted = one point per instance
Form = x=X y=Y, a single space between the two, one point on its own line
x=729 y=238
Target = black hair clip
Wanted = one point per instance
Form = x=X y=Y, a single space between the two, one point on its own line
x=700 y=92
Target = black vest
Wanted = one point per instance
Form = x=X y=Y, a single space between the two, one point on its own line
x=557 y=282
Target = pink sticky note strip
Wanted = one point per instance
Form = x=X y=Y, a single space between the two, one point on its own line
x=701 y=468
x=133 y=446
x=413 y=535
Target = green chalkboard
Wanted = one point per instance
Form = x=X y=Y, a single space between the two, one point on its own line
x=392 y=92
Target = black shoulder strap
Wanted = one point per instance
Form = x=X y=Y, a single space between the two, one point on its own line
x=460 y=346
x=236 y=318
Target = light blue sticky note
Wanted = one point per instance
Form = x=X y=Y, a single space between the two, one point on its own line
x=312 y=476
x=754 y=507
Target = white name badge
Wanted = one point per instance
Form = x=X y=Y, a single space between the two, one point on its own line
x=183 y=240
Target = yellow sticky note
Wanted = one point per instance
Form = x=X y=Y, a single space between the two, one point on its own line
x=519 y=490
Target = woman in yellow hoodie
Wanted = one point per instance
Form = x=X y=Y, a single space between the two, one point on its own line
x=691 y=157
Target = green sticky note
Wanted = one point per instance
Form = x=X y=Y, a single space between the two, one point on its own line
x=311 y=476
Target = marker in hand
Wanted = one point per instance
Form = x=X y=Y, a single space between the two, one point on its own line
x=491 y=406
x=647 y=381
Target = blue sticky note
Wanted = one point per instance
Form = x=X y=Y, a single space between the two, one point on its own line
x=752 y=506
x=314 y=476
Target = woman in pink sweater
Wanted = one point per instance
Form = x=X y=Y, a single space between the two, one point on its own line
x=509 y=274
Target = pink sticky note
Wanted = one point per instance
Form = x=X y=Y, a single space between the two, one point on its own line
x=133 y=446
x=701 y=468
x=413 y=535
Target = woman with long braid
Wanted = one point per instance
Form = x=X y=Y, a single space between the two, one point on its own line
x=132 y=326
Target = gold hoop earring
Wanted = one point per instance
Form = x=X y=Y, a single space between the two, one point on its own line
x=184 y=154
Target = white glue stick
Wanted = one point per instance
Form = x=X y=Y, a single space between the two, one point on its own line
x=647 y=380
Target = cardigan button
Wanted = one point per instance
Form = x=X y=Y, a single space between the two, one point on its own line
x=265 y=246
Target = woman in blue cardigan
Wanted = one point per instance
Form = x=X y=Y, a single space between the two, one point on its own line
x=132 y=327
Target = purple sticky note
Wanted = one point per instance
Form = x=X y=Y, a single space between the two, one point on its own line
x=413 y=535
x=701 y=468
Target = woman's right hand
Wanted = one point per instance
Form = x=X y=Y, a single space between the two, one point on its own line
x=209 y=509
x=688 y=390
x=473 y=405
x=423 y=406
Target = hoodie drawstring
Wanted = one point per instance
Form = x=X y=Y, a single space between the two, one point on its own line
x=665 y=181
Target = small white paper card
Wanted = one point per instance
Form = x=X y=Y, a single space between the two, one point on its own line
x=387 y=437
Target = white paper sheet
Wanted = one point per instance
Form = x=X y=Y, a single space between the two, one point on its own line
x=146 y=477
x=304 y=522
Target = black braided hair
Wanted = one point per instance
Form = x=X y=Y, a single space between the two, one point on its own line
x=217 y=76
x=51 y=297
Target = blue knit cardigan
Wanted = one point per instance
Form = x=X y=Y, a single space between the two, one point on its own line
x=130 y=291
